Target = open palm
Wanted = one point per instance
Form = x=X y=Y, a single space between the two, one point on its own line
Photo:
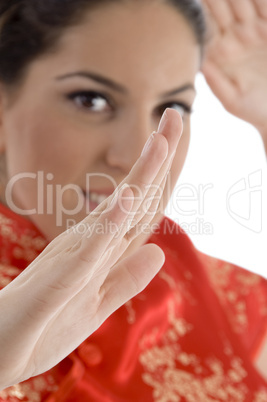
x=80 y=278
x=235 y=64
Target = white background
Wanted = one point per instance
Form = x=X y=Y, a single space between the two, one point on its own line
x=226 y=155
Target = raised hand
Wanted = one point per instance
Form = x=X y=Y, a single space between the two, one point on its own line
x=235 y=64
x=80 y=278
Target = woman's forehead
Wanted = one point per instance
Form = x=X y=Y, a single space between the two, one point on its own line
x=151 y=41
x=147 y=50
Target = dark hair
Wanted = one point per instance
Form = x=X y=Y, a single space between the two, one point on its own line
x=30 y=28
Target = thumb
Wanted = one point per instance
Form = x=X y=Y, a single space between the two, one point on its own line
x=129 y=277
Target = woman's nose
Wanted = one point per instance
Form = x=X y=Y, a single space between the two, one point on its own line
x=126 y=144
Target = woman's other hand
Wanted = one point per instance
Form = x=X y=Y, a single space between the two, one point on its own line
x=235 y=64
x=80 y=279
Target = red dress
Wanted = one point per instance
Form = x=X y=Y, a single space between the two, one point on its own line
x=191 y=335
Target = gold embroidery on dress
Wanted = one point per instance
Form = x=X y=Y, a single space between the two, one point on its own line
x=30 y=391
x=181 y=289
x=260 y=396
x=196 y=380
x=220 y=275
x=7 y=273
x=27 y=247
x=168 y=279
x=171 y=253
x=131 y=312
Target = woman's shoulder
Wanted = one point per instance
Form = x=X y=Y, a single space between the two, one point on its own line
x=229 y=280
x=232 y=282
x=226 y=275
x=243 y=295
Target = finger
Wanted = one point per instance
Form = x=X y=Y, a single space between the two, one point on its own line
x=172 y=131
x=153 y=199
x=222 y=87
x=130 y=231
x=176 y=128
x=156 y=191
x=46 y=291
x=144 y=225
x=130 y=277
x=145 y=170
x=140 y=177
x=261 y=8
x=70 y=236
x=94 y=245
x=150 y=169
x=171 y=127
x=243 y=10
x=152 y=207
x=71 y=268
x=154 y=159
x=220 y=12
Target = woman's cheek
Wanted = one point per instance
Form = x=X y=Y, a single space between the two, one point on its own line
x=51 y=149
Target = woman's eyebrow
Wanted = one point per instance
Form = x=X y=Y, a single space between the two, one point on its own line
x=95 y=77
x=176 y=91
x=117 y=87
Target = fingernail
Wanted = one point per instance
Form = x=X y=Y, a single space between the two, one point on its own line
x=148 y=144
x=163 y=122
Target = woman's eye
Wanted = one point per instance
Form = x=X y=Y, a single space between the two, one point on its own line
x=92 y=101
x=181 y=107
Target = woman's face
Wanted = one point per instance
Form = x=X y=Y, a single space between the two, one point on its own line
x=77 y=124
